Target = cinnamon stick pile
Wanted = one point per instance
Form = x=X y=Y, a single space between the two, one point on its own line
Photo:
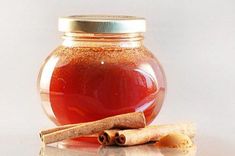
x=123 y=130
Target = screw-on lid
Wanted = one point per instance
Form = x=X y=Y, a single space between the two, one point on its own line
x=102 y=24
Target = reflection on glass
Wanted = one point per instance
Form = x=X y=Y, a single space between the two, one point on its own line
x=44 y=85
x=146 y=150
x=179 y=152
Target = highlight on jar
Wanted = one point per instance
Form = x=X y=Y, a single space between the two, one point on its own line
x=101 y=69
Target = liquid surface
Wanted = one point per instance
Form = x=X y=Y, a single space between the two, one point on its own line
x=90 y=84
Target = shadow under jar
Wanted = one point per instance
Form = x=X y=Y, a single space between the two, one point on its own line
x=101 y=69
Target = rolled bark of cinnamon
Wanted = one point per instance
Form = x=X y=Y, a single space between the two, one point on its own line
x=51 y=130
x=152 y=133
x=129 y=120
x=107 y=137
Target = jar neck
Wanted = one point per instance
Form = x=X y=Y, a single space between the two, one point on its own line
x=128 y=40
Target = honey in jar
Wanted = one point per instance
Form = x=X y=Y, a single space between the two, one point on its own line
x=101 y=69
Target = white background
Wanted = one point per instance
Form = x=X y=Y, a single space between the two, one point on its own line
x=193 y=39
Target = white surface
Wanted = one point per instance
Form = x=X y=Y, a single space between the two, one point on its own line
x=194 y=41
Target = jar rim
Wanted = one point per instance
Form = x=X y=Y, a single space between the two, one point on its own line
x=102 y=24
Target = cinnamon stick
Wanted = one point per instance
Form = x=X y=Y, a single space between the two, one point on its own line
x=129 y=120
x=51 y=130
x=152 y=133
x=107 y=137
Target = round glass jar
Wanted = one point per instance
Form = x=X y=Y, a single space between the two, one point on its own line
x=101 y=69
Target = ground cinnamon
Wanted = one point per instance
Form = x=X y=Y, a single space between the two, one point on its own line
x=175 y=140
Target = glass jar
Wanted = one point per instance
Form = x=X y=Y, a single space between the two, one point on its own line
x=101 y=69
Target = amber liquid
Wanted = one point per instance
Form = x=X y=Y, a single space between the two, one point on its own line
x=87 y=90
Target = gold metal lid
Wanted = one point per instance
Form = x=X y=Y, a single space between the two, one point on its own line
x=102 y=24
